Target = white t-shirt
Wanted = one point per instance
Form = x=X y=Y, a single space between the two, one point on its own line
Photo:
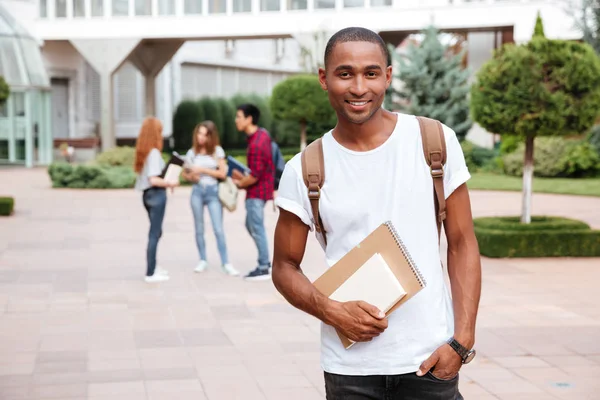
x=206 y=161
x=153 y=166
x=361 y=191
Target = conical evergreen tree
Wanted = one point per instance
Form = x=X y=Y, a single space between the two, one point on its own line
x=435 y=84
x=538 y=31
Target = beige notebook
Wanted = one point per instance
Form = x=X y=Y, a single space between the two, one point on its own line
x=374 y=282
x=389 y=278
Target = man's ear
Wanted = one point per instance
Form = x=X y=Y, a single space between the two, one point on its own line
x=322 y=78
x=388 y=76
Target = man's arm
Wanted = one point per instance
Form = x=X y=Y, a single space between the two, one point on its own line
x=359 y=321
x=464 y=270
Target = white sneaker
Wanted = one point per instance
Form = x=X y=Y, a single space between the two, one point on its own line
x=156 y=278
x=202 y=265
x=229 y=270
x=161 y=271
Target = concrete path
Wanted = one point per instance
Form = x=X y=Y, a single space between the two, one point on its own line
x=78 y=322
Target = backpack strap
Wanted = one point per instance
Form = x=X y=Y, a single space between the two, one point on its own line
x=434 y=149
x=313 y=172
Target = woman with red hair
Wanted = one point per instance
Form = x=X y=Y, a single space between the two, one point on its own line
x=149 y=165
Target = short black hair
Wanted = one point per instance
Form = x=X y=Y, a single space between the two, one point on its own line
x=355 y=34
x=250 y=110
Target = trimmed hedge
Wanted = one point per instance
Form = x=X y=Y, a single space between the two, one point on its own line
x=544 y=237
x=65 y=175
x=7 y=205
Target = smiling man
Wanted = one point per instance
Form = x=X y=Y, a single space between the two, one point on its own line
x=375 y=171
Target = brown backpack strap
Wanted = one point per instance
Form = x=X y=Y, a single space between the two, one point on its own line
x=434 y=149
x=313 y=172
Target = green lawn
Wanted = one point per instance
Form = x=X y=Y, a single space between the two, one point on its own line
x=584 y=187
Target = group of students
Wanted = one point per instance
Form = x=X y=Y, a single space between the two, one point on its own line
x=207 y=166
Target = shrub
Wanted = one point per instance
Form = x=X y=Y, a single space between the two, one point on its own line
x=7 y=205
x=543 y=237
x=228 y=132
x=477 y=157
x=4 y=90
x=556 y=157
x=594 y=137
x=187 y=115
x=300 y=98
x=212 y=111
x=91 y=176
x=509 y=143
x=117 y=156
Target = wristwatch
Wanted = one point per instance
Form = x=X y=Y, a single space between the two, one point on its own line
x=465 y=354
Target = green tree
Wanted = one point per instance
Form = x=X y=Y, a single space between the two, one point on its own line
x=300 y=98
x=538 y=31
x=227 y=131
x=187 y=115
x=542 y=88
x=212 y=111
x=4 y=90
x=435 y=84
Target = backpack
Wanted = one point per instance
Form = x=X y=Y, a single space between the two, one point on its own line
x=278 y=161
x=434 y=150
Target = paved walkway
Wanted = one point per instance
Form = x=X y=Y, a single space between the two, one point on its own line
x=78 y=322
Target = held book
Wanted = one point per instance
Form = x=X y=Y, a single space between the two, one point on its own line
x=173 y=168
x=378 y=270
x=232 y=164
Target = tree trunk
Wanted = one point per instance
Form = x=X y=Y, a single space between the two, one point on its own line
x=302 y=135
x=527 y=180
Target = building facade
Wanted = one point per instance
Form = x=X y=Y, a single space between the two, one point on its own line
x=112 y=62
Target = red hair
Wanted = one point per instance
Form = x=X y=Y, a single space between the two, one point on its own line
x=150 y=137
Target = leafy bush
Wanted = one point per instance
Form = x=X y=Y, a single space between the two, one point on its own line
x=543 y=237
x=7 y=205
x=187 y=115
x=477 y=157
x=509 y=143
x=117 y=156
x=4 y=90
x=300 y=98
x=212 y=111
x=556 y=157
x=594 y=137
x=65 y=175
x=228 y=132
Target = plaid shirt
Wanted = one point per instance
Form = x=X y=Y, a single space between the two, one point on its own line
x=260 y=162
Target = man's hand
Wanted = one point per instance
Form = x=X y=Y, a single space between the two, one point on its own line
x=236 y=175
x=444 y=363
x=357 y=320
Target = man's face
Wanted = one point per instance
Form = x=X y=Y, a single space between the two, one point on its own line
x=241 y=122
x=356 y=78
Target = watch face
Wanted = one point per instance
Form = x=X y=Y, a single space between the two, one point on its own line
x=470 y=356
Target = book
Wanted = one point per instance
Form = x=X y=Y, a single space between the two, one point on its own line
x=232 y=164
x=173 y=168
x=389 y=279
x=374 y=282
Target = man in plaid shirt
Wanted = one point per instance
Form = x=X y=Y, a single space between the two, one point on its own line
x=259 y=184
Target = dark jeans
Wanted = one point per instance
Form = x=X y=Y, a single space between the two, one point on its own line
x=155 y=202
x=391 y=387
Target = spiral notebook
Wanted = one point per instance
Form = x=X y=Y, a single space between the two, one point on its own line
x=378 y=270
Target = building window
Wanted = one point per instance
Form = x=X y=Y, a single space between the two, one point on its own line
x=217 y=6
x=297 y=4
x=61 y=8
x=192 y=7
x=143 y=7
x=166 y=7
x=269 y=5
x=381 y=3
x=240 y=6
x=78 y=8
x=43 y=8
x=97 y=8
x=120 y=8
x=322 y=4
x=354 y=3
